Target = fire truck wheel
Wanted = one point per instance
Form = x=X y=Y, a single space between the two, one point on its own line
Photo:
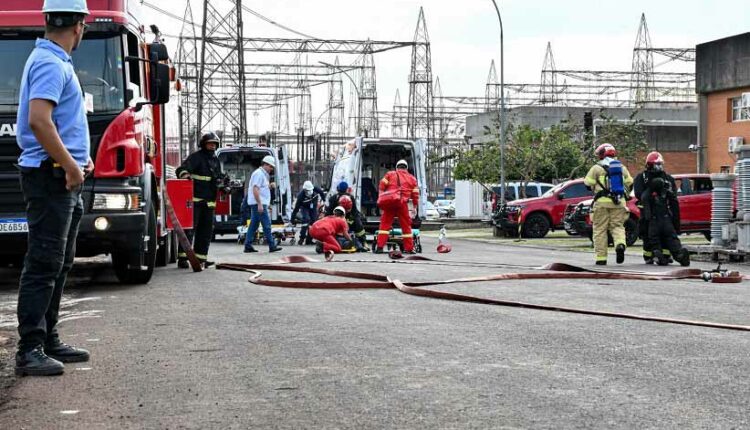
x=120 y=259
x=164 y=253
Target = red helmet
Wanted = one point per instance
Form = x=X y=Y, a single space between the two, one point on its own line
x=654 y=158
x=605 y=150
x=346 y=203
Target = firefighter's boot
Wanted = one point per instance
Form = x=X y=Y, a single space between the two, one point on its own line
x=683 y=257
x=620 y=251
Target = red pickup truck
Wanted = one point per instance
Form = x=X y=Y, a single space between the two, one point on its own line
x=693 y=193
x=535 y=217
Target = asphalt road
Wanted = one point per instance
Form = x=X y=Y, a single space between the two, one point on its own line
x=210 y=350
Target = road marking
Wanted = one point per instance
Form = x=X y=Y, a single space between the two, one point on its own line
x=69 y=412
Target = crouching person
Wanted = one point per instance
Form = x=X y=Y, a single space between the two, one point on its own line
x=659 y=206
x=326 y=230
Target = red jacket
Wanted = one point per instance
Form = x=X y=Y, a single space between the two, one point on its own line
x=409 y=187
x=332 y=225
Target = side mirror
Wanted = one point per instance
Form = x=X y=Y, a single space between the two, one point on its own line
x=160 y=83
x=560 y=196
x=158 y=52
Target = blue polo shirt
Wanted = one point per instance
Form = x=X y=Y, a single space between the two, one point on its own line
x=49 y=75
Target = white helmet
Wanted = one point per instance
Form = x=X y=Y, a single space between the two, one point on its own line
x=268 y=159
x=340 y=209
x=308 y=186
x=65 y=6
x=402 y=163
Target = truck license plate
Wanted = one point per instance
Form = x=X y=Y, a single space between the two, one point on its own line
x=16 y=225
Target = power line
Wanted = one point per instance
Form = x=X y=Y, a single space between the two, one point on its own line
x=272 y=22
x=167 y=13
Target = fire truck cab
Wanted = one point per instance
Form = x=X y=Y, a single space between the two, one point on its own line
x=134 y=127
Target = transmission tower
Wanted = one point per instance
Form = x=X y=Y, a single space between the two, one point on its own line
x=397 y=124
x=222 y=55
x=548 y=91
x=368 y=96
x=441 y=122
x=187 y=60
x=419 y=115
x=492 y=90
x=642 y=84
x=335 y=125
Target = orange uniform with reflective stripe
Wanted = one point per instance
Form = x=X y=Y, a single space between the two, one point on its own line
x=409 y=191
x=409 y=187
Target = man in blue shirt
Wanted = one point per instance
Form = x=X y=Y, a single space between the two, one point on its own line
x=259 y=199
x=54 y=138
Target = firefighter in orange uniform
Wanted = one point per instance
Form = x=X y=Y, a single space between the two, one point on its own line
x=396 y=189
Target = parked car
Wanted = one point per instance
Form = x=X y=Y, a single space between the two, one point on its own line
x=431 y=213
x=535 y=217
x=446 y=208
x=693 y=193
x=532 y=189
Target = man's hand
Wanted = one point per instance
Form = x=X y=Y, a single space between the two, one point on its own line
x=73 y=177
x=89 y=169
x=272 y=185
x=261 y=209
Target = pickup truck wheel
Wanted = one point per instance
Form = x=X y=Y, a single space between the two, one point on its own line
x=120 y=259
x=536 y=226
x=707 y=235
x=497 y=231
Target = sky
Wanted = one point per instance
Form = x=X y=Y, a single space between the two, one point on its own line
x=464 y=35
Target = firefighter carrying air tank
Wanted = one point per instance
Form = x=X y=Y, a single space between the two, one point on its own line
x=611 y=183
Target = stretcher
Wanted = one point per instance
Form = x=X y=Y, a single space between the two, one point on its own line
x=280 y=232
x=396 y=240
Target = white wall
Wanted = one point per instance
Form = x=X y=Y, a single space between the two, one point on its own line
x=469 y=199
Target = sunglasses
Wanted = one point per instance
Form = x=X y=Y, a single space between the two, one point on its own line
x=85 y=26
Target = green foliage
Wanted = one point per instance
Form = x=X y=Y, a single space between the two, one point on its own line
x=563 y=151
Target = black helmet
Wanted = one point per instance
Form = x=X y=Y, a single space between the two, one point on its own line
x=210 y=137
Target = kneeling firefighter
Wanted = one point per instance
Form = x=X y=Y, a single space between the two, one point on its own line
x=353 y=215
x=204 y=168
x=328 y=229
x=611 y=183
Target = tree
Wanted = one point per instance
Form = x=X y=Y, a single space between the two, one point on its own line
x=563 y=151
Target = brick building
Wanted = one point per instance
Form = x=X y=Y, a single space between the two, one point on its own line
x=722 y=77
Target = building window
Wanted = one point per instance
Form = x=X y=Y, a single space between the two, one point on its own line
x=740 y=111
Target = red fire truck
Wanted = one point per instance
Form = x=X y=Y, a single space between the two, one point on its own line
x=134 y=135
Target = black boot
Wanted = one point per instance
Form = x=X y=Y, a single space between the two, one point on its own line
x=648 y=260
x=377 y=250
x=37 y=363
x=66 y=353
x=183 y=264
x=683 y=257
x=601 y=262
x=620 y=250
x=319 y=248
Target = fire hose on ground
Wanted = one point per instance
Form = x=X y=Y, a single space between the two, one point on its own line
x=550 y=271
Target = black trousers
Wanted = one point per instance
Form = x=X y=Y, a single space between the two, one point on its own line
x=53 y=214
x=203 y=230
x=662 y=236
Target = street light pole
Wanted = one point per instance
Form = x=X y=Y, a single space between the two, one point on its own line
x=502 y=108
x=354 y=85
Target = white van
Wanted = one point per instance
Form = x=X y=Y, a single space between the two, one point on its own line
x=362 y=163
x=239 y=162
